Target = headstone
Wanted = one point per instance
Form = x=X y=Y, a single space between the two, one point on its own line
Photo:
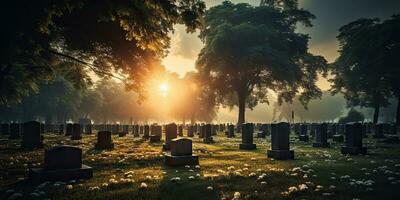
x=181 y=153
x=146 y=132
x=364 y=130
x=76 y=132
x=62 y=163
x=104 y=140
x=247 y=137
x=31 y=137
x=69 y=129
x=156 y=132
x=190 y=132
x=231 y=131
x=88 y=129
x=5 y=129
x=170 y=134
x=303 y=134
x=15 y=131
x=321 y=136
x=353 y=145
x=115 y=128
x=338 y=138
x=180 y=130
x=379 y=130
x=61 y=129
x=136 y=130
x=201 y=131
x=280 y=146
x=207 y=132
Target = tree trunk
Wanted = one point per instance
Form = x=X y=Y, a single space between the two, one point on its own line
x=242 y=107
x=398 y=111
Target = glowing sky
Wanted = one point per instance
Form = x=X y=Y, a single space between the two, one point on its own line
x=331 y=15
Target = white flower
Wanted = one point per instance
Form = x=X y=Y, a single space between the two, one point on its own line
x=236 y=195
x=143 y=185
x=303 y=187
x=231 y=168
x=95 y=188
x=209 y=188
x=69 y=187
x=292 y=189
x=252 y=174
x=191 y=177
x=263 y=182
x=197 y=166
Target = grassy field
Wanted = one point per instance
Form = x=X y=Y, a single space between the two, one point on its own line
x=134 y=169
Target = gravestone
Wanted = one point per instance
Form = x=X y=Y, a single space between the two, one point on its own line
x=76 y=132
x=61 y=129
x=231 y=131
x=104 y=140
x=353 y=145
x=247 y=137
x=303 y=134
x=146 y=132
x=5 y=129
x=62 y=163
x=68 y=129
x=280 y=146
x=364 y=130
x=88 y=129
x=141 y=130
x=136 y=130
x=190 y=132
x=181 y=153
x=321 y=136
x=333 y=130
x=125 y=129
x=170 y=134
x=338 y=138
x=180 y=130
x=115 y=129
x=31 y=137
x=207 y=132
x=201 y=131
x=379 y=130
x=15 y=131
x=156 y=132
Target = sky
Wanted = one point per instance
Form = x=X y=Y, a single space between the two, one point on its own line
x=330 y=16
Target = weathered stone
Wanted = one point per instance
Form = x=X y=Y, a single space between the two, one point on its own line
x=231 y=131
x=104 y=140
x=170 y=133
x=353 y=143
x=68 y=129
x=76 y=132
x=379 y=130
x=62 y=163
x=207 y=138
x=31 y=137
x=156 y=132
x=247 y=137
x=146 y=132
x=321 y=136
x=5 y=129
x=280 y=148
x=15 y=131
x=181 y=153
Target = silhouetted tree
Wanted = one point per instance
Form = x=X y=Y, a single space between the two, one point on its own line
x=367 y=69
x=249 y=50
x=352 y=116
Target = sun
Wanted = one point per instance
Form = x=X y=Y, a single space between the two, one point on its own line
x=164 y=88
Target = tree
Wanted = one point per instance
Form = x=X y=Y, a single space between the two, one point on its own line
x=104 y=36
x=352 y=116
x=250 y=50
x=366 y=71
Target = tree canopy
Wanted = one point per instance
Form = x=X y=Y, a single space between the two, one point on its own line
x=107 y=37
x=250 y=50
x=366 y=68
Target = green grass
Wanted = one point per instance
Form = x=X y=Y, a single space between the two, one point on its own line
x=145 y=160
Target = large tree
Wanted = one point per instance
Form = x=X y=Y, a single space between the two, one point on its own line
x=124 y=36
x=250 y=50
x=367 y=69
